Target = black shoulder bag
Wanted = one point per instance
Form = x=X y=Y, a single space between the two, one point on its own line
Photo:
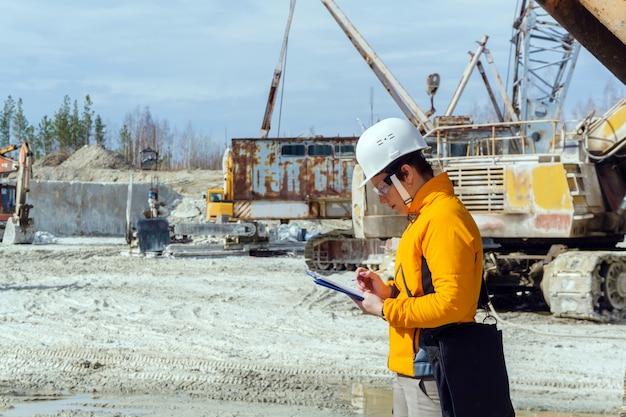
x=468 y=364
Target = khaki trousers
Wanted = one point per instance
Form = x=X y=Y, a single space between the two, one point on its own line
x=415 y=397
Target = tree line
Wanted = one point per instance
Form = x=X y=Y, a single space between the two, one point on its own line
x=177 y=150
x=71 y=127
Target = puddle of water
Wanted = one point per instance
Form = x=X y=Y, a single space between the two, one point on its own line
x=368 y=402
x=379 y=403
x=80 y=402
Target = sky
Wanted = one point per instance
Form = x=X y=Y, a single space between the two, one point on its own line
x=209 y=64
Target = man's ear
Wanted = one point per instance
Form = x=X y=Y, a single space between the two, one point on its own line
x=407 y=173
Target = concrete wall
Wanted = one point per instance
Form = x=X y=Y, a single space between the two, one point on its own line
x=75 y=208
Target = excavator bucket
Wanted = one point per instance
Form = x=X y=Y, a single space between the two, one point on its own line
x=15 y=234
x=153 y=235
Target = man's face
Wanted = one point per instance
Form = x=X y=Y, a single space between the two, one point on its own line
x=387 y=193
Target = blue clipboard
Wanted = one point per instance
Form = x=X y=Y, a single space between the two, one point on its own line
x=335 y=286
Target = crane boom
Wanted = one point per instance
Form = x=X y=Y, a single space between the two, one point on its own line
x=402 y=98
x=278 y=71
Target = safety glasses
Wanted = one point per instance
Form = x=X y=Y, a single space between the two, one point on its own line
x=384 y=186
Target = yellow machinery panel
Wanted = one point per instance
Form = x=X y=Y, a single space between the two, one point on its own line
x=550 y=189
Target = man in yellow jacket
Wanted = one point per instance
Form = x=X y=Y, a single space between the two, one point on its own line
x=438 y=265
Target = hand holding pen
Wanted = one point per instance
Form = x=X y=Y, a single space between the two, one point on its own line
x=374 y=291
x=369 y=281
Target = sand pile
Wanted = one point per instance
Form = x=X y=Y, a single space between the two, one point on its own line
x=96 y=156
x=89 y=156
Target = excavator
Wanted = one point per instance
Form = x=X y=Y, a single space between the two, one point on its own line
x=15 y=220
x=548 y=195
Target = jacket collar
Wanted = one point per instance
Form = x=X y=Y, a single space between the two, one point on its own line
x=439 y=184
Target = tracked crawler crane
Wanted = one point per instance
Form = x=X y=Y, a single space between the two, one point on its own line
x=549 y=197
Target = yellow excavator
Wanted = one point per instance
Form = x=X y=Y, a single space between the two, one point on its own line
x=14 y=210
x=8 y=149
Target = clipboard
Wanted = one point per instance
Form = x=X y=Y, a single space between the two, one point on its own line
x=334 y=285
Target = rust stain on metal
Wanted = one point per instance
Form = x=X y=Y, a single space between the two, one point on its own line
x=553 y=221
x=315 y=170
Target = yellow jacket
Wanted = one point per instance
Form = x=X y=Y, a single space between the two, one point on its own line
x=445 y=234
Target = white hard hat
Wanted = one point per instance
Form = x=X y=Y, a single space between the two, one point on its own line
x=385 y=142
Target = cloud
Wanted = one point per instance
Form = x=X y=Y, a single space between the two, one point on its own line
x=211 y=62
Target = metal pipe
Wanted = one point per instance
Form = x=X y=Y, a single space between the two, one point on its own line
x=466 y=76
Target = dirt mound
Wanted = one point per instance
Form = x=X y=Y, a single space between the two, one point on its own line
x=52 y=159
x=96 y=156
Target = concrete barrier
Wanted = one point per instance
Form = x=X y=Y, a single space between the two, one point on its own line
x=73 y=208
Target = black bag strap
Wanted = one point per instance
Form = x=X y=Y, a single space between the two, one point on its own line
x=484 y=301
x=483 y=297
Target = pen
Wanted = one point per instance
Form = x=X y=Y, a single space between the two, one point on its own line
x=376 y=272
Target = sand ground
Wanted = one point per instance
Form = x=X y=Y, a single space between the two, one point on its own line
x=125 y=335
x=89 y=330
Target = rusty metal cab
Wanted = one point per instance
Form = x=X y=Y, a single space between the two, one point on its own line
x=7 y=201
x=7 y=196
x=292 y=178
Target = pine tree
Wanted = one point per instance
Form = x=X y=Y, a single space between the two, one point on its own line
x=62 y=125
x=20 y=124
x=45 y=139
x=99 y=131
x=5 y=121
x=76 y=129
x=87 y=120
